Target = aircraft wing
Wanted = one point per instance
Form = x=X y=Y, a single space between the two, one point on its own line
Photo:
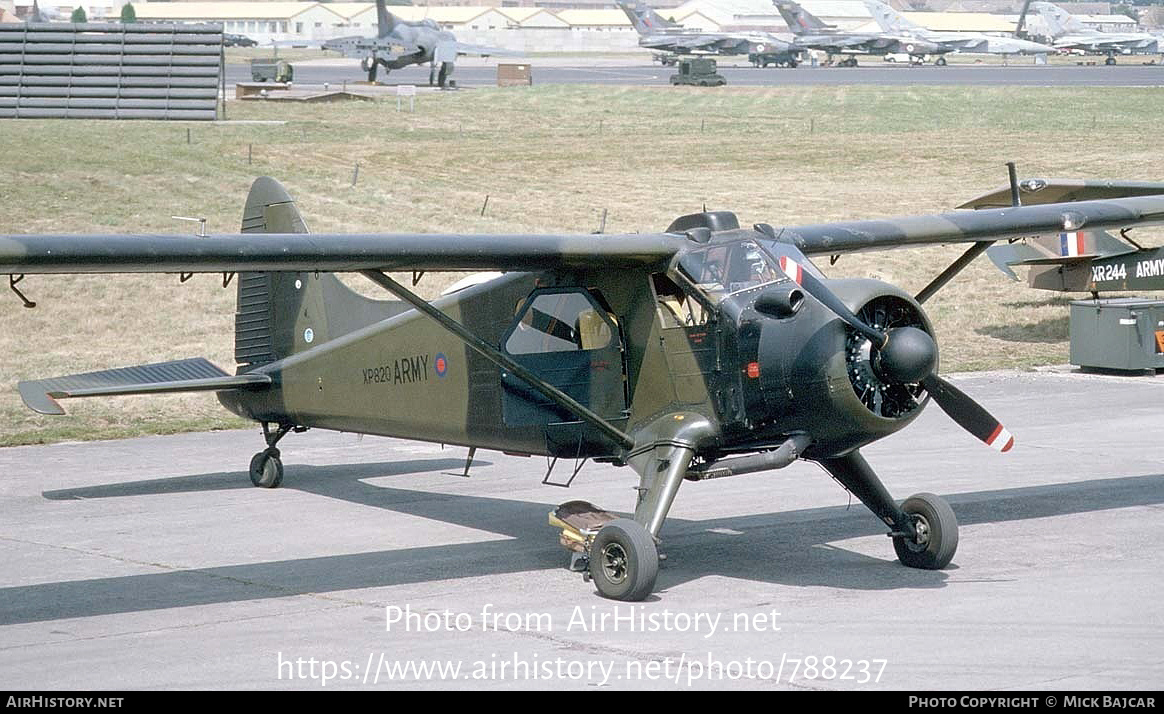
x=1056 y=190
x=829 y=43
x=483 y=51
x=290 y=252
x=1035 y=221
x=358 y=46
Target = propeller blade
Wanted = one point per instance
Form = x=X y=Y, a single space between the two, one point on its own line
x=968 y=414
x=826 y=297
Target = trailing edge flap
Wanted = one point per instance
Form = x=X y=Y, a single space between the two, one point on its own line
x=186 y=375
x=1038 y=191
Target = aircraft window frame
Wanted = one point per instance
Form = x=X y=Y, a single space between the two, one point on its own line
x=676 y=306
x=725 y=262
x=560 y=327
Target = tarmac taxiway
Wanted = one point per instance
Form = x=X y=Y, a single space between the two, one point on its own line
x=152 y=563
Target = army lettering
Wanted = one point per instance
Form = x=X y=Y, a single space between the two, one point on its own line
x=406 y=370
x=1150 y=268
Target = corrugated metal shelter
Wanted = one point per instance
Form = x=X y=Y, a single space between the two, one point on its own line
x=110 y=71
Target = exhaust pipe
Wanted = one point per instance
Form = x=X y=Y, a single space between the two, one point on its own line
x=778 y=458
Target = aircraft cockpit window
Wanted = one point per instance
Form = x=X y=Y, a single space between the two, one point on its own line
x=677 y=308
x=724 y=269
x=559 y=322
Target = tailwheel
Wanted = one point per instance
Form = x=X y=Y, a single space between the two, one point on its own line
x=624 y=561
x=937 y=533
x=267 y=469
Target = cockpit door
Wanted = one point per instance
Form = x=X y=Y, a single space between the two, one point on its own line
x=565 y=337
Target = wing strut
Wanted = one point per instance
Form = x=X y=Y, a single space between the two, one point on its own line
x=495 y=355
x=977 y=249
x=954 y=268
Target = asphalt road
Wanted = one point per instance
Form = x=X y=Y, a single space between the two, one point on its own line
x=478 y=73
x=152 y=563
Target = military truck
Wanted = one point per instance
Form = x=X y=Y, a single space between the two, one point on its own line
x=700 y=71
x=271 y=69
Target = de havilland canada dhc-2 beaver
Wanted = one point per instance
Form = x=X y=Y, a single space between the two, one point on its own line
x=703 y=351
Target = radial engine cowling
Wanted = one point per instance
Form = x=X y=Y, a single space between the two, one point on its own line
x=823 y=377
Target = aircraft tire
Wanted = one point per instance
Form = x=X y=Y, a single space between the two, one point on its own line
x=939 y=532
x=941 y=62
x=1110 y=61
x=266 y=469
x=624 y=561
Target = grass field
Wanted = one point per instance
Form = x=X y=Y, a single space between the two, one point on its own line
x=550 y=159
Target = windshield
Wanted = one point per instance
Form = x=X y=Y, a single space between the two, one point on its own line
x=725 y=269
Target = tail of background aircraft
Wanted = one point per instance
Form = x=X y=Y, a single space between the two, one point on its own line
x=1058 y=21
x=1020 y=29
x=645 y=20
x=800 y=21
x=386 y=20
x=888 y=19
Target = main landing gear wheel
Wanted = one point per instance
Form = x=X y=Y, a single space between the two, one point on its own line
x=624 y=561
x=267 y=469
x=941 y=61
x=937 y=533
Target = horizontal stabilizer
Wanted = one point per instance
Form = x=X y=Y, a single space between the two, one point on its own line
x=1037 y=191
x=186 y=375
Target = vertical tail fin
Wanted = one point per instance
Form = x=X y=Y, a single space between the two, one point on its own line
x=259 y=337
x=1019 y=30
x=282 y=313
x=386 y=20
x=800 y=21
x=888 y=19
x=1058 y=21
x=645 y=20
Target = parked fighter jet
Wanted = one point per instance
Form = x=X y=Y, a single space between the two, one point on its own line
x=399 y=44
x=813 y=33
x=704 y=351
x=657 y=33
x=1068 y=33
x=892 y=21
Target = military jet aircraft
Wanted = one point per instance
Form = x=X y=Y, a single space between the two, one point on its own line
x=704 y=351
x=1068 y=33
x=813 y=33
x=1077 y=260
x=657 y=33
x=398 y=44
x=891 y=20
